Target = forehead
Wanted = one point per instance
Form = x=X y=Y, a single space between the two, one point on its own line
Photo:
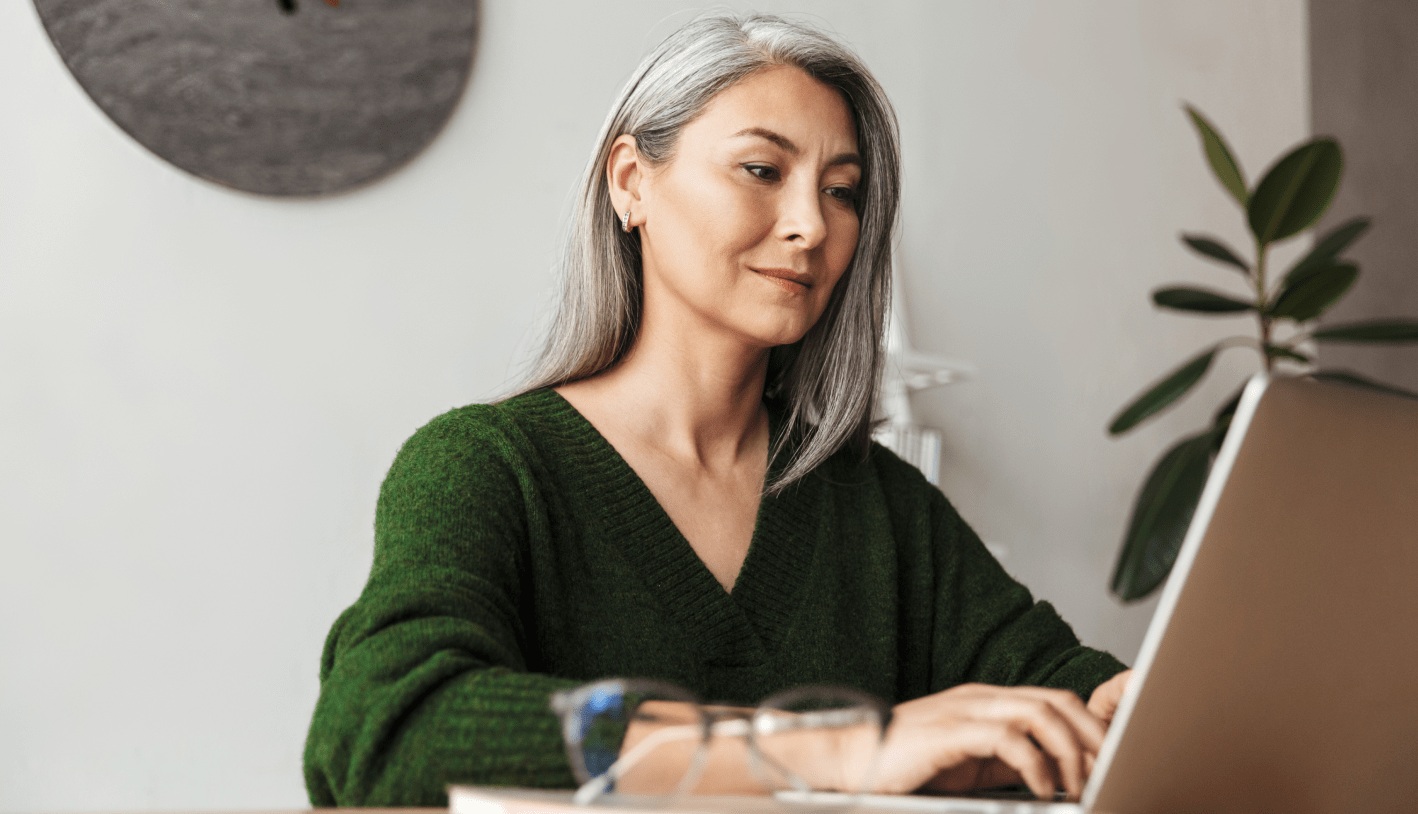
x=784 y=100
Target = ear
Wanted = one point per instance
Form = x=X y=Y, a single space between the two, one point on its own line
x=625 y=173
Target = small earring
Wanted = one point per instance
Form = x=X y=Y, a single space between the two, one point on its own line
x=625 y=221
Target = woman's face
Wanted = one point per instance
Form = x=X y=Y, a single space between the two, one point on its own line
x=746 y=230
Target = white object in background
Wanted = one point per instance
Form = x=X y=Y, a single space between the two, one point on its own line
x=908 y=370
x=917 y=446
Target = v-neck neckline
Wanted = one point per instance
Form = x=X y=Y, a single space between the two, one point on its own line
x=743 y=625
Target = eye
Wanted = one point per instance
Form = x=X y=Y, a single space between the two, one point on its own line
x=763 y=172
x=843 y=194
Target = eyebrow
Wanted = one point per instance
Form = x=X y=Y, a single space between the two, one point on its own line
x=787 y=144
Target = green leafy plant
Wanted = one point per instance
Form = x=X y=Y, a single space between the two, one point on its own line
x=1290 y=198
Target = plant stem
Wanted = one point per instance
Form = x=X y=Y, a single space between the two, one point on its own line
x=1261 y=302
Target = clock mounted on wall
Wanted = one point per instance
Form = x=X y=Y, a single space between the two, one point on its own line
x=275 y=97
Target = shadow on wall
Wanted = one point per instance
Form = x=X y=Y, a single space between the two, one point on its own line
x=1363 y=76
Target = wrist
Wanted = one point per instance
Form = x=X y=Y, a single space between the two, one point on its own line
x=849 y=758
x=811 y=757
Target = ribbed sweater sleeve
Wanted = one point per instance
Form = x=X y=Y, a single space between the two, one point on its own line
x=985 y=626
x=423 y=679
x=995 y=633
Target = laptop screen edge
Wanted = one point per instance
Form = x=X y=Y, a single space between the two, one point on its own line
x=1196 y=530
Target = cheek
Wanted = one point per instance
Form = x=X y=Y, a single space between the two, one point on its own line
x=745 y=218
x=714 y=216
x=843 y=243
x=840 y=247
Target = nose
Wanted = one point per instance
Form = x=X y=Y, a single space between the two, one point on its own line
x=800 y=219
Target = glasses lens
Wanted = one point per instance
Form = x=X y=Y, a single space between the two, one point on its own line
x=789 y=727
x=643 y=736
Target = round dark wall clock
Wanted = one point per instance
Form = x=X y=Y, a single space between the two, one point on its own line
x=276 y=97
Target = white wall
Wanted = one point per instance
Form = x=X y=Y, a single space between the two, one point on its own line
x=200 y=390
x=1049 y=170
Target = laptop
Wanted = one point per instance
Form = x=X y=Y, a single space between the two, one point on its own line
x=1280 y=671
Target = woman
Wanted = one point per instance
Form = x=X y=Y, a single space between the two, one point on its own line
x=687 y=490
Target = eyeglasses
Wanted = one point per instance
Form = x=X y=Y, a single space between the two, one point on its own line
x=611 y=726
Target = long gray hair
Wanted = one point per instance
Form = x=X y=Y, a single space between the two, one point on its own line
x=828 y=380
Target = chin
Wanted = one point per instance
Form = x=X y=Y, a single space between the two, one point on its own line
x=772 y=339
x=771 y=329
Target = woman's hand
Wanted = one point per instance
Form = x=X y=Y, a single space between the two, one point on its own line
x=1104 y=701
x=977 y=736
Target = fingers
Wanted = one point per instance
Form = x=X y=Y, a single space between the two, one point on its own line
x=1089 y=729
x=1058 y=740
x=1037 y=736
x=1105 y=699
x=993 y=753
x=1048 y=737
x=1058 y=722
x=1017 y=750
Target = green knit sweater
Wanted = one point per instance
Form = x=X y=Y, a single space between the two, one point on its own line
x=517 y=553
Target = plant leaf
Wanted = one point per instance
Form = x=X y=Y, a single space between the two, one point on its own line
x=1329 y=247
x=1296 y=191
x=1282 y=352
x=1379 y=330
x=1227 y=171
x=1221 y=421
x=1227 y=408
x=1216 y=250
x=1183 y=298
x=1313 y=292
x=1160 y=517
x=1349 y=377
x=1162 y=393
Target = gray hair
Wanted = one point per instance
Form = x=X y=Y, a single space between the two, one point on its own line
x=829 y=378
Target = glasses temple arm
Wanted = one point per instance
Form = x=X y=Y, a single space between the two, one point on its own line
x=597 y=785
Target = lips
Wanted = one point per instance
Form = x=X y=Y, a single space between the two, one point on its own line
x=792 y=281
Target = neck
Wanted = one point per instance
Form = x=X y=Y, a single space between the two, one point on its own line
x=700 y=402
x=687 y=388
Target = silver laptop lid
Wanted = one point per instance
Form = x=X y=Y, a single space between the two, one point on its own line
x=1280 y=672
